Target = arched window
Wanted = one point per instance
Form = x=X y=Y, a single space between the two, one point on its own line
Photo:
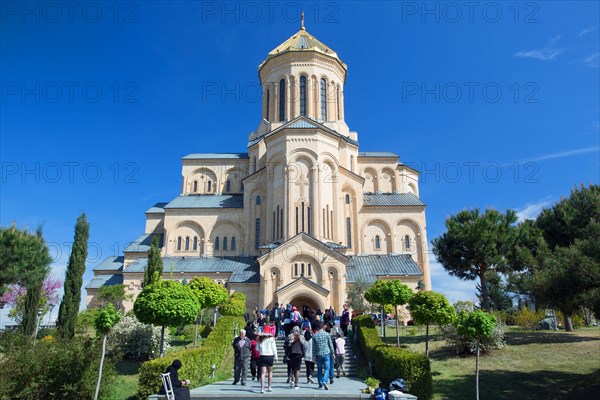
x=225 y=243
x=352 y=163
x=303 y=95
x=187 y=243
x=296 y=270
x=302 y=269
x=233 y=243
x=253 y=164
x=228 y=186
x=309 y=270
x=258 y=200
x=377 y=242
x=282 y=100
x=179 y=243
x=217 y=243
x=195 y=186
x=348 y=233
x=257 y=233
x=407 y=242
x=195 y=247
x=347 y=199
x=323 y=99
x=268 y=102
x=208 y=186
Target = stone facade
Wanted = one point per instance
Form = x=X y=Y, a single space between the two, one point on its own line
x=298 y=217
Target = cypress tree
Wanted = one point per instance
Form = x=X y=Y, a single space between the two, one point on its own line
x=69 y=307
x=154 y=268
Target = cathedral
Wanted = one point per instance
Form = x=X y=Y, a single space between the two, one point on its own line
x=301 y=215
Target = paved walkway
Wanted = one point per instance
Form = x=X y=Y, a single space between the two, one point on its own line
x=342 y=388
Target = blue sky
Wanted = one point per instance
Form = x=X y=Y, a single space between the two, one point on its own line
x=497 y=105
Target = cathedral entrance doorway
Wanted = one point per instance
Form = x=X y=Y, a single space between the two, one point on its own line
x=304 y=304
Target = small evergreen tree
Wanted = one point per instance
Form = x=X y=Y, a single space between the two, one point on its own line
x=154 y=269
x=69 y=307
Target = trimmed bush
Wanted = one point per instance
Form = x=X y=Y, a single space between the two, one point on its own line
x=216 y=349
x=235 y=306
x=135 y=340
x=390 y=363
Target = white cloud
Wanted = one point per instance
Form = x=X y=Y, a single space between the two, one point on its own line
x=532 y=210
x=592 y=61
x=585 y=31
x=560 y=154
x=547 y=53
x=453 y=288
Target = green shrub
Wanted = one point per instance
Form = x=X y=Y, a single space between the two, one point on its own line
x=216 y=349
x=53 y=369
x=390 y=363
x=135 y=340
x=235 y=306
x=462 y=345
x=528 y=320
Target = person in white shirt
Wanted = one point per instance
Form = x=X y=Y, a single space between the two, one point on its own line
x=340 y=350
x=268 y=355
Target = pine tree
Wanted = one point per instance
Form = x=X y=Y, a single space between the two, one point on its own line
x=69 y=307
x=155 y=264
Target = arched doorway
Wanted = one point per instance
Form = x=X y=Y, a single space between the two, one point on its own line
x=303 y=304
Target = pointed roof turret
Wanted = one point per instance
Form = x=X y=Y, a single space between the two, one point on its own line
x=302 y=41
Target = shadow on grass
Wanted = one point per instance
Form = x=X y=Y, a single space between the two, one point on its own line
x=516 y=338
x=510 y=385
x=128 y=367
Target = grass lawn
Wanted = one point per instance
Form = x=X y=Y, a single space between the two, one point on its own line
x=534 y=365
x=125 y=385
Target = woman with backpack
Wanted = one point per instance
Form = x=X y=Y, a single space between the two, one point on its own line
x=295 y=355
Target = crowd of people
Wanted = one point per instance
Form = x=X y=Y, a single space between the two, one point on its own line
x=313 y=338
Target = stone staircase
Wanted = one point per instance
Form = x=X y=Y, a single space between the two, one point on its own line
x=280 y=369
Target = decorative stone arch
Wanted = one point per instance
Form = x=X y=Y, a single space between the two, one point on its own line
x=234 y=176
x=387 y=185
x=296 y=297
x=274 y=162
x=239 y=234
x=412 y=188
x=373 y=185
x=186 y=229
x=318 y=275
x=415 y=237
x=387 y=234
x=203 y=175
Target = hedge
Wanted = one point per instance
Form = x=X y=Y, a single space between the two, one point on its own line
x=216 y=349
x=390 y=362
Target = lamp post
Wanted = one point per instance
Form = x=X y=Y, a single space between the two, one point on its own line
x=215 y=315
x=196 y=330
x=37 y=325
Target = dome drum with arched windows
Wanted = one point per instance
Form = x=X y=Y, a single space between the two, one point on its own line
x=301 y=215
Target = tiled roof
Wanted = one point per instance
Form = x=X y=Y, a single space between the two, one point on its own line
x=158 y=208
x=335 y=246
x=242 y=269
x=378 y=154
x=105 y=280
x=208 y=156
x=142 y=243
x=301 y=41
x=302 y=124
x=110 y=264
x=369 y=268
x=391 y=199
x=207 y=201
